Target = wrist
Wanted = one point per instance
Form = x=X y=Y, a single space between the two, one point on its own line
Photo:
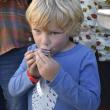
x=34 y=79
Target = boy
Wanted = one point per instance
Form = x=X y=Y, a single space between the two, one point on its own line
x=57 y=74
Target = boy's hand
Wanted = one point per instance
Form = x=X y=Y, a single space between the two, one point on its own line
x=31 y=63
x=47 y=66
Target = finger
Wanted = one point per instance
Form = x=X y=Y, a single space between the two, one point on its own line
x=29 y=56
x=30 y=62
x=37 y=58
x=28 y=52
x=33 y=69
x=39 y=63
x=43 y=58
x=40 y=60
x=33 y=65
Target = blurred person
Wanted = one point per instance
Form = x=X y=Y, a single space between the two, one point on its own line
x=15 y=36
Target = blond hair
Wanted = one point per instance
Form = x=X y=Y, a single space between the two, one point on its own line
x=67 y=14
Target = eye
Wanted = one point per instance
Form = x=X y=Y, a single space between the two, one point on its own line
x=36 y=30
x=54 y=33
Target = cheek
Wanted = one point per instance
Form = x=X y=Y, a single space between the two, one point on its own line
x=59 y=43
x=36 y=39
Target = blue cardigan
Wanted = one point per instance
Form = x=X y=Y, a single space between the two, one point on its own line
x=77 y=82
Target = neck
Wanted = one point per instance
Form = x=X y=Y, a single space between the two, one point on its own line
x=69 y=46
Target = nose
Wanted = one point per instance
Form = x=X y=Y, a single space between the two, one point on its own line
x=45 y=41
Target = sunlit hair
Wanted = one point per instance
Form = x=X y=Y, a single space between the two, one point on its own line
x=67 y=14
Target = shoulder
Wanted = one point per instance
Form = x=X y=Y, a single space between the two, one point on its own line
x=84 y=51
x=84 y=48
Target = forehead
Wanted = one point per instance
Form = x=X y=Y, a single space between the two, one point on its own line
x=51 y=26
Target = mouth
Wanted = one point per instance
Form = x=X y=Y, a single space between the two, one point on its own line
x=46 y=52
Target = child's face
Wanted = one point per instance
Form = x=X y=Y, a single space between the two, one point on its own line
x=54 y=39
